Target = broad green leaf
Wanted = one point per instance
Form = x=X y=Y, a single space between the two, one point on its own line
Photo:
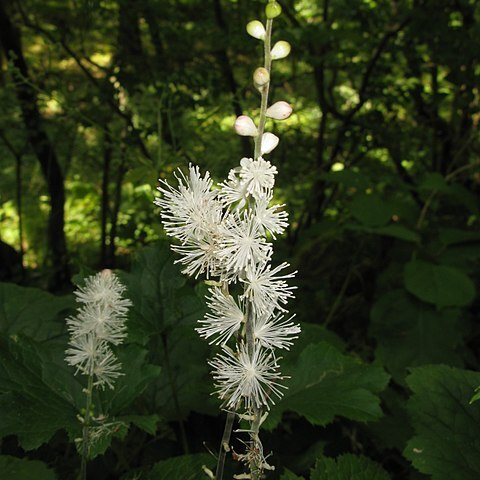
x=288 y=475
x=12 y=468
x=411 y=333
x=32 y=312
x=348 y=467
x=434 y=181
x=397 y=231
x=34 y=405
x=371 y=210
x=147 y=423
x=325 y=383
x=137 y=375
x=447 y=428
x=438 y=284
x=185 y=467
x=167 y=310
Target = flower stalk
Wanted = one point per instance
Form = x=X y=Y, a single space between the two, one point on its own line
x=225 y=233
x=99 y=324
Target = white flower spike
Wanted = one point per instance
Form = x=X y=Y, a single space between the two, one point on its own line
x=99 y=322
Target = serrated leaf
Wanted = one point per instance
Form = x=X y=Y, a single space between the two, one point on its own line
x=411 y=333
x=325 y=383
x=137 y=375
x=167 y=310
x=33 y=406
x=438 y=284
x=12 y=468
x=32 y=312
x=348 y=467
x=185 y=467
x=447 y=428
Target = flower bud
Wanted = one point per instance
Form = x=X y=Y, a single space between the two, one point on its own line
x=273 y=9
x=280 y=50
x=269 y=142
x=244 y=126
x=256 y=29
x=279 y=110
x=261 y=77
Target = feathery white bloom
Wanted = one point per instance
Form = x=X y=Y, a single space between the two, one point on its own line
x=233 y=190
x=271 y=219
x=224 y=320
x=251 y=379
x=275 y=332
x=191 y=210
x=101 y=320
x=266 y=290
x=104 y=288
x=98 y=323
x=92 y=356
x=200 y=256
x=243 y=243
x=258 y=176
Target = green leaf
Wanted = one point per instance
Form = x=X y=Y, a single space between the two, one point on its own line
x=147 y=423
x=438 y=284
x=399 y=321
x=447 y=428
x=185 y=467
x=33 y=404
x=12 y=468
x=397 y=231
x=166 y=310
x=371 y=210
x=137 y=375
x=348 y=467
x=288 y=475
x=32 y=312
x=325 y=383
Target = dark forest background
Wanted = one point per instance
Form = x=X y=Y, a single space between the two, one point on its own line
x=379 y=166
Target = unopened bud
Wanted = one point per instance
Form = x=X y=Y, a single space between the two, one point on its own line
x=269 y=142
x=261 y=77
x=279 y=110
x=273 y=9
x=244 y=126
x=256 y=29
x=280 y=50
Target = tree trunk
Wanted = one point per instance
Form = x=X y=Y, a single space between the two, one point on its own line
x=57 y=251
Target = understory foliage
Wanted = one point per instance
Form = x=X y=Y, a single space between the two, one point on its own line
x=378 y=165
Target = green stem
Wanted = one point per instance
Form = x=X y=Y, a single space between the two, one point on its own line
x=264 y=90
x=85 y=430
x=256 y=468
x=224 y=448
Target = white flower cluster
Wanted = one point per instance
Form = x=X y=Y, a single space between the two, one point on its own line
x=225 y=234
x=100 y=321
